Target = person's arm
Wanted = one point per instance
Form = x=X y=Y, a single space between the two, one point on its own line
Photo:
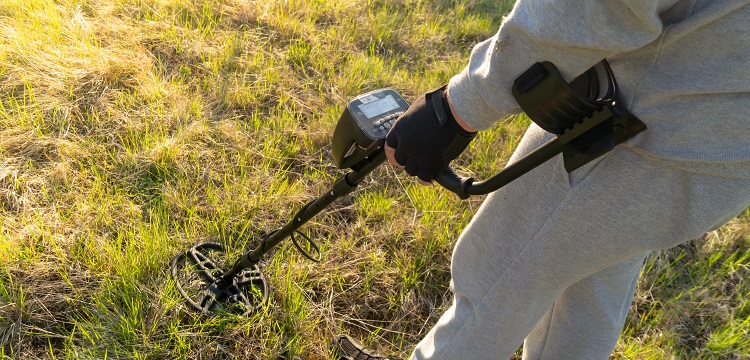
x=458 y=118
x=572 y=34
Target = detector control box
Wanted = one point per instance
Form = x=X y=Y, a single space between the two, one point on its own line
x=362 y=127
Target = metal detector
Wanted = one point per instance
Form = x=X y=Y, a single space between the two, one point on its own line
x=585 y=115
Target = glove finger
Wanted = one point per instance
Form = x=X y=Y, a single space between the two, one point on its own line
x=412 y=169
x=400 y=157
x=425 y=175
x=391 y=139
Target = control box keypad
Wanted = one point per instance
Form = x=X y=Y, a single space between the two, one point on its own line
x=384 y=124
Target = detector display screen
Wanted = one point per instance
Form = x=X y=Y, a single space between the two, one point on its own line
x=378 y=107
x=375 y=112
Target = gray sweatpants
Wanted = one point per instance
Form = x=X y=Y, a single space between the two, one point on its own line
x=553 y=258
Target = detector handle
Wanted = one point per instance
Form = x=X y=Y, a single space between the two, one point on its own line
x=587 y=123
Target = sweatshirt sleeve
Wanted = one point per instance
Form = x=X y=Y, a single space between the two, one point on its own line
x=572 y=34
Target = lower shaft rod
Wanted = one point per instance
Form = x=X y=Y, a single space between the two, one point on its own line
x=343 y=186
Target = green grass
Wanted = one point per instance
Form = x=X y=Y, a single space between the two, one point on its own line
x=132 y=129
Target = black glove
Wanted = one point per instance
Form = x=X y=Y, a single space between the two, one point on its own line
x=427 y=137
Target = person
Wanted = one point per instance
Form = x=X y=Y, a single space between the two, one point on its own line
x=552 y=259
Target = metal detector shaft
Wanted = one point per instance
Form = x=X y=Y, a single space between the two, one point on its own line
x=343 y=186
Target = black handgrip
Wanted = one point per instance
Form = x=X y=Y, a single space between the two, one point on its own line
x=450 y=180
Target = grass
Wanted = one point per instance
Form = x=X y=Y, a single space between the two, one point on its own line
x=132 y=129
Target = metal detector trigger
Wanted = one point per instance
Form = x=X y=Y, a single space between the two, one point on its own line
x=588 y=123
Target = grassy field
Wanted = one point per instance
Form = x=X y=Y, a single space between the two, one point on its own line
x=133 y=129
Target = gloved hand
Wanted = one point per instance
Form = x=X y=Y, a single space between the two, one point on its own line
x=427 y=137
